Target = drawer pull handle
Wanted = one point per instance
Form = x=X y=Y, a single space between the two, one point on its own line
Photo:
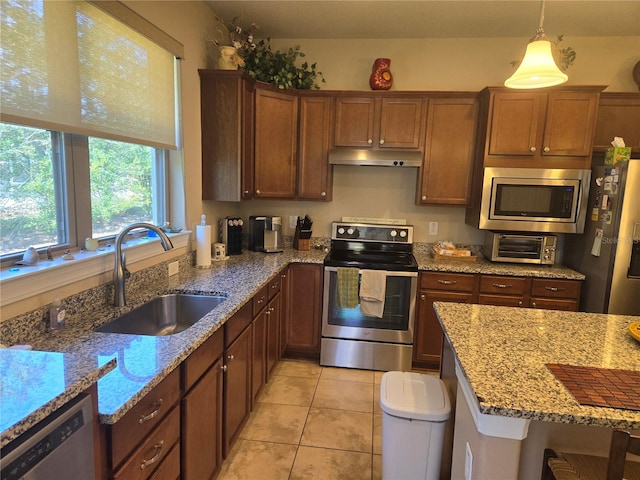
x=447 y=282
x=223 y=368
x=230 y=357
x=274 y=286
x=423 y=296
x=501 y=285
x=153 y=414
x=554 y=289
x=519 y=303
x=158 y=446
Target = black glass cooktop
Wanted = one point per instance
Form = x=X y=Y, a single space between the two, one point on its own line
x=372 y=260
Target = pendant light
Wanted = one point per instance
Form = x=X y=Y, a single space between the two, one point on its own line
x=538 y=69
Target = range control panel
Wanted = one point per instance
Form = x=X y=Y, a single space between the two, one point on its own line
x=372 y=233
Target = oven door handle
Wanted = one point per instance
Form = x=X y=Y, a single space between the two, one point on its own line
x=390 y=273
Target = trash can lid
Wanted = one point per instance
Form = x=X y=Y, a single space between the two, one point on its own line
x=414 y=396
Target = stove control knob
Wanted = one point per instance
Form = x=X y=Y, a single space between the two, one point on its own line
x=403 y=233
x=341 y=231
x=350 y=231
x=393 y=234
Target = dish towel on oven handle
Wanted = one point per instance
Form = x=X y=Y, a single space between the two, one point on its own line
x=348 y=283
x=373 y=287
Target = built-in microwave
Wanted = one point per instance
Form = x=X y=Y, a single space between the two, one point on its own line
x=532 y=200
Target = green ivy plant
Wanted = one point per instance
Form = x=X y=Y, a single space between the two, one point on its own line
x=280 y=68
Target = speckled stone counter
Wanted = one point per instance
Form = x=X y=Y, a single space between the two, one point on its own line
x=35 y=384
x=144 y=361
x=502 y=352
x=427 y=263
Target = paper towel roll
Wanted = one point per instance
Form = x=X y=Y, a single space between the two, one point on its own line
x=203 y=245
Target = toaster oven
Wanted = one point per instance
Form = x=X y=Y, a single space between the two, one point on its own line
x=521 y=248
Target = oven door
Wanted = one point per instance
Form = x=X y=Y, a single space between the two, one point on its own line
x=396 y=324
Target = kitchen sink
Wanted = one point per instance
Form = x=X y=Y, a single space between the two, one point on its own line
x=164 y=315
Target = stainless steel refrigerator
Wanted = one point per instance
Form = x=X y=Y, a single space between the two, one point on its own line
x=608 y=252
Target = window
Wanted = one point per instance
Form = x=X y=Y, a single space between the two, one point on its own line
x=44 y=200
x=88 y=109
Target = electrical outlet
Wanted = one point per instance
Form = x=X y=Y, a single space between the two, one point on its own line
x=173 y=268
x=468 y=463
x=293 y=221
x=433 y=228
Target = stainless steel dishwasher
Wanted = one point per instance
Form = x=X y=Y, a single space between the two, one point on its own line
x=60 y=446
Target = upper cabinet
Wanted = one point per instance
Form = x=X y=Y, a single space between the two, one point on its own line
x=276 y=139
x=315 y=178
x=618 y=116
x=551 y=129
x=387 y=121
x=449 y=150
x=227 y=120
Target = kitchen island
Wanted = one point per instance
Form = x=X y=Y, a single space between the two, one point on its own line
x=509 y=405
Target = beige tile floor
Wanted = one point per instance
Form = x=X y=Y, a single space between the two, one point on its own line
x=311 y=422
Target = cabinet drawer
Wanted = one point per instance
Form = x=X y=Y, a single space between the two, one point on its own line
x=274 y=286
x=555 y=304
x=236 y=324
x=153 y=451
x=503 y=285
x=199 y=361
x=141 y=419
x=547 y=287
x=501 y=300
x=260 y=300
x=459 y=282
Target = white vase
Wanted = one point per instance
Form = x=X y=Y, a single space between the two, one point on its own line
x=228 y=58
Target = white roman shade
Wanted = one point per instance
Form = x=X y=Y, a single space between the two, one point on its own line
x=72 y=67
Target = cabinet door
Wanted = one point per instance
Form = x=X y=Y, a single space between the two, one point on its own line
x=202 y=426
x=258 y=361
x=284 y=309
x=448 y=165
x=401 y=122
x=427 y=344
x=517 y=121
x=305 y=309
x=314 y=172
x=354 y=122
x=554 y=304
x=570 y=122
x=227 y=118
x=237 y=388
x=618 y=116
x=275 y=144
x=273 y=334
x=501 y=300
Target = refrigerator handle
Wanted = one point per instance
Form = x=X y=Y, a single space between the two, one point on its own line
x=633 y=235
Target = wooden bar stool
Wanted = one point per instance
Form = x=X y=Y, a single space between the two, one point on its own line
x=571 y=466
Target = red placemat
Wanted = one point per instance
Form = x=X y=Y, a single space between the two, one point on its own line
x=600 y=387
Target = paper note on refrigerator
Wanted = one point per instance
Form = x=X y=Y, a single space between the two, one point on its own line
x=597 y=242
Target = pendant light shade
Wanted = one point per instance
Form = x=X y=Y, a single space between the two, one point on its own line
x=538 y=69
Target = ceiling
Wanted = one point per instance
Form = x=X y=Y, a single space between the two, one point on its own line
x=359 y=19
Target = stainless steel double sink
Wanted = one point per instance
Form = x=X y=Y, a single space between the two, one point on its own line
x=164 y=315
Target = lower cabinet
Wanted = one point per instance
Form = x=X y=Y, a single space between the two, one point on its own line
x=273 y=334
x=304 y=310
x=437 y=287
x=499 y=290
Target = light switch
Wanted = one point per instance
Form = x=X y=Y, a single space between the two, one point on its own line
x=433 y=228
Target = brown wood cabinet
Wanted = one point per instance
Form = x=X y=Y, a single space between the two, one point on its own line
x=274 y=320
x=227 y=122
x=437 y=287
x=552 y=129
x=237 y=379
x=385 y=121
x=258 y=359
x=276 y=137
x=201 y=436
x=315 y=175
x=618 y=116
x=284 y=309
x=304 y=310
x=449 y=151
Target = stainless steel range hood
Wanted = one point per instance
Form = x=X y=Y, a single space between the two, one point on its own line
x=378 y=158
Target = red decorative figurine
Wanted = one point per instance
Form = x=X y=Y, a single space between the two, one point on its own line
x=381 y=78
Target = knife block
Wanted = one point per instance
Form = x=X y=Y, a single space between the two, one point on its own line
x=302 y=239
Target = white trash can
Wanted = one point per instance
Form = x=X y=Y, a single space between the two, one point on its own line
x=415 y=410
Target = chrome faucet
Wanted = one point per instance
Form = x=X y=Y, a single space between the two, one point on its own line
x=120 y=272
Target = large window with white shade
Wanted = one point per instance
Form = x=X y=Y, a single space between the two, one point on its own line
x=88 y=111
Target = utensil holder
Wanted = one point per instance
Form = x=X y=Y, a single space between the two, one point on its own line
x=302 y=240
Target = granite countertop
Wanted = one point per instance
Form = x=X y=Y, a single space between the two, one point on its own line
x=502 y=352
x=427 y=263
x=144 y=361
x=35 y=384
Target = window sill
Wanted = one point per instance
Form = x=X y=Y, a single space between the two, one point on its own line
x=21 y=282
